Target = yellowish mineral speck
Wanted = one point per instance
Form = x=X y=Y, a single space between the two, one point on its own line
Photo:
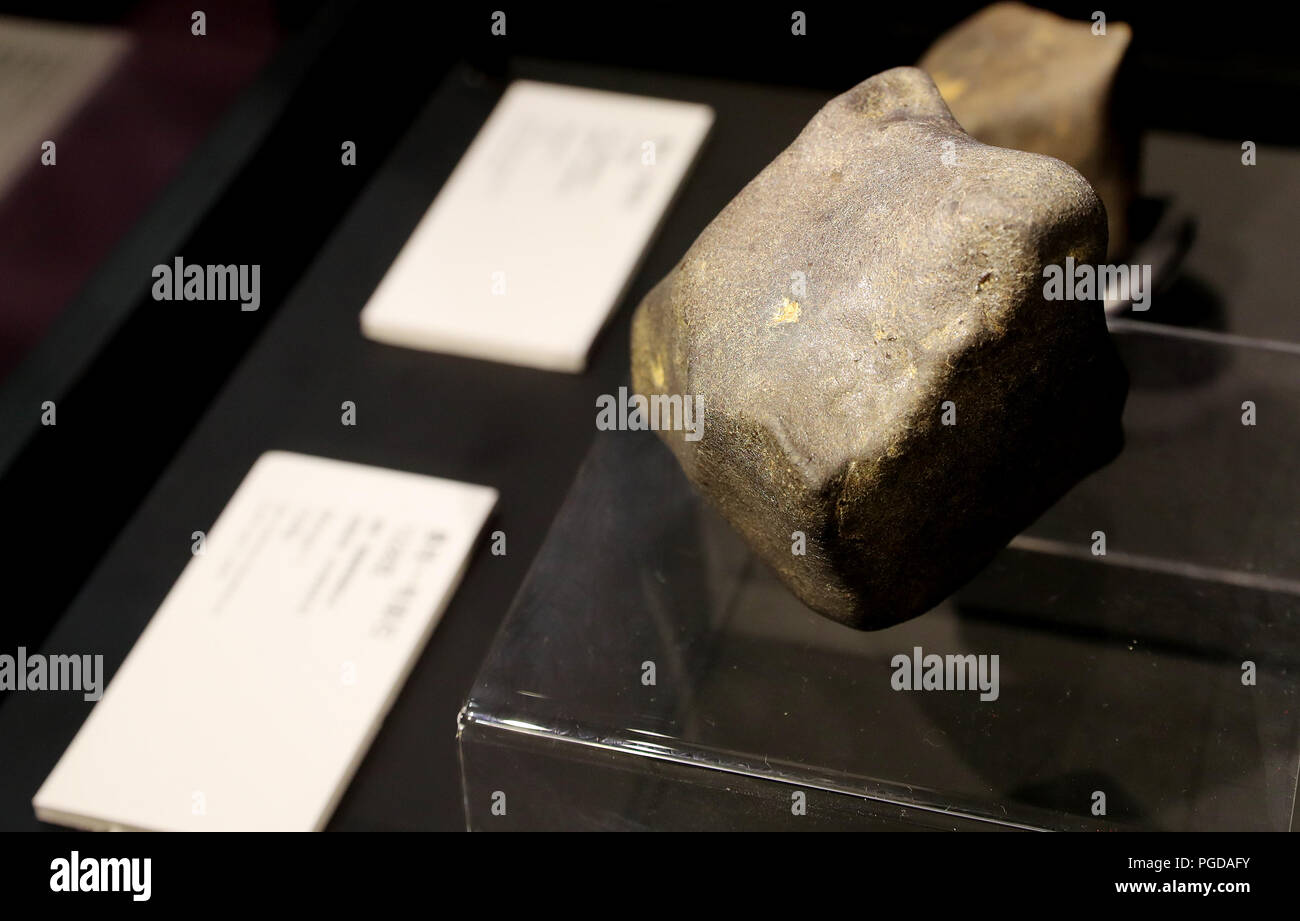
x=788 y=312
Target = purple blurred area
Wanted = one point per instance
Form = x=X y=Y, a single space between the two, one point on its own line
x=117 y=152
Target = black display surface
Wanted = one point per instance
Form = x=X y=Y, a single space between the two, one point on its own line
x=519 y=430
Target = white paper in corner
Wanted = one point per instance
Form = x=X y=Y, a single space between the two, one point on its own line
x=47 y=72
x=252 y=695
x=533 y=239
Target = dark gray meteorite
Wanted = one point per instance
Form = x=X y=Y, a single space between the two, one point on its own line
x=885 y=268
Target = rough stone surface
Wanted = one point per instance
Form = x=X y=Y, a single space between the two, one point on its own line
x=922 y=251
x=1023 y=78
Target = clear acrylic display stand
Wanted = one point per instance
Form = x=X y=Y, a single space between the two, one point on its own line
x=1154 y=687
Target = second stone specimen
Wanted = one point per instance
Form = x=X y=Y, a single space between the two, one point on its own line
x=1019 y=77
x=888 y=397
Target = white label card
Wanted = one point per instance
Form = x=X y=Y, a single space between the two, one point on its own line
x=252 y=695
x=533 y=239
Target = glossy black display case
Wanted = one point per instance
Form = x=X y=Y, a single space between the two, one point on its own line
x=162 y=410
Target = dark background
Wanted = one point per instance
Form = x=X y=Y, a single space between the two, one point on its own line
x=162 y=410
